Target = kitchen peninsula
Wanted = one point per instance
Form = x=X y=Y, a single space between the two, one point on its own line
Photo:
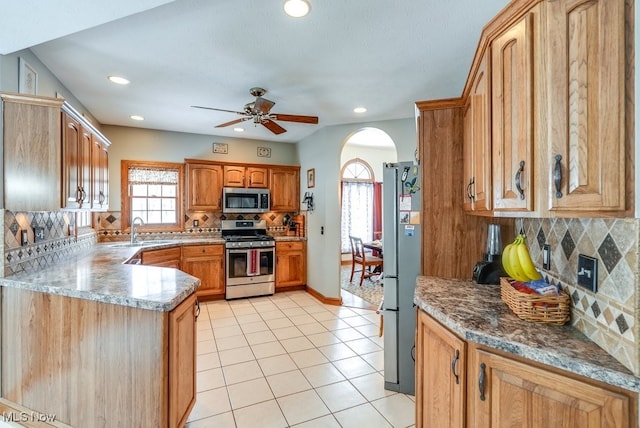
x=476 y=359
x=98 y=342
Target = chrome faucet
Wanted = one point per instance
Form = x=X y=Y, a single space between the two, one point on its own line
x=134 y=232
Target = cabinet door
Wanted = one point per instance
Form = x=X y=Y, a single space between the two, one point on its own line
x=291 y=264
x=257 y=177
x=586 y=69
x=440 y=375
x=285 y=189
x=507 y=393
x=512 y=116
x=204 y=187
x=467 y=159
x=477 y=141
x=32 y=152
x=234 y=176
x=100 y=174
x=71 y=155
x=164 y=257
x=182 y=361
x=206 y=262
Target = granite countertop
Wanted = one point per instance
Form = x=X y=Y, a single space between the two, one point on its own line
x=477 y=314
x=102 y=274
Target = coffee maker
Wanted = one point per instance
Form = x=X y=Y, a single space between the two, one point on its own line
x=489 y=270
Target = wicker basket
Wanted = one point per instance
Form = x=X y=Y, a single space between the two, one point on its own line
x=536 y=307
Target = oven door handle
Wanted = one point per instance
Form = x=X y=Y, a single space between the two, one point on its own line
x=244 y=250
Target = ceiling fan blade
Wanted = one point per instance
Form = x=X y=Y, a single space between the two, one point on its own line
x=273 y=127
x=262 y=105
x=233 y=122
x=295 y=118
x=219 y=109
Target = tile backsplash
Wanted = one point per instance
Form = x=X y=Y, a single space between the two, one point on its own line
x=50 y=237
x=608 y=317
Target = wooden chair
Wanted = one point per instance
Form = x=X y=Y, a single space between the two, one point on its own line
x=359 y=257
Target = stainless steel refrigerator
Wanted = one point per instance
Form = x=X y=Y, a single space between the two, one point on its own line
x=401 y=251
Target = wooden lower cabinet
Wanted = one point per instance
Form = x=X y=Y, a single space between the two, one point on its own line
x=500 y=391
x=162 y=257
x=440 y=375
x=291 y=264
x=206 y=262
x=95 y=364
x=182 y=361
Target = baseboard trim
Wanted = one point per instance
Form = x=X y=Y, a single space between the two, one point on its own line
x=335 y=301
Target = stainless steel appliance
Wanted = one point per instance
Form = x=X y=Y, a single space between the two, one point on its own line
x=401 y=244
x=250 y=258
x=241 y=200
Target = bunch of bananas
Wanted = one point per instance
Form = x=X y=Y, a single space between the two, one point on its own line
x=517 y=262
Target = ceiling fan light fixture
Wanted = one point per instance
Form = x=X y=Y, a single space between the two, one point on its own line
x=297 y=8
x=238 y=129
x=136 y=117
x=118 y=80
x=360 y=110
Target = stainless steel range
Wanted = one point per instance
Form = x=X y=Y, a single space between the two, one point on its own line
x=250 y=258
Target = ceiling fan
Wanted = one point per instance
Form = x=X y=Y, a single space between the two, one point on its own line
x=259 y=111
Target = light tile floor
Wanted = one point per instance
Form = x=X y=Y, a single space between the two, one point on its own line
x=289 y=360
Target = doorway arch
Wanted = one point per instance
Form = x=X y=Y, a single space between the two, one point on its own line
x=365 y=150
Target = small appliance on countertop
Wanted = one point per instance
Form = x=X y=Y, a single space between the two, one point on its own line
x=489 y=270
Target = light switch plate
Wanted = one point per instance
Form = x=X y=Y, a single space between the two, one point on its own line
x=588 y=272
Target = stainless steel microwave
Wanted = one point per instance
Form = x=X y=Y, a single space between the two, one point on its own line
x=240 y=200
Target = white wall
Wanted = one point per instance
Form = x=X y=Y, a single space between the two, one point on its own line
x=322 y=151
x=163 y=146
x=375 y=157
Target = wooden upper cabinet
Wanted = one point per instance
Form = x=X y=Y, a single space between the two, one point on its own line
x=257 y=177
x=85 y=163
x=284 y=183
x=32 y=156
x=245 y=176
x=72 y=157
x=204 y=187
x=586 y=104
x=512 y=70
x=99 y=174
x=234 y=176
x=477 y=141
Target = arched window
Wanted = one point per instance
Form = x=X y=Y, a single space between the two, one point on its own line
x=357 y=202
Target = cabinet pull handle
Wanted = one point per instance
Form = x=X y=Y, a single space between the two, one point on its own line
x=101 y=198
x=470 y=194
x=483 y=366
x=519 y=180
x=557 y=176
x=454 y=363
x=79 y=195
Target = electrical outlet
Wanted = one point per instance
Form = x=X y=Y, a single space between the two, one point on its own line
x=24 y=237
x=546 y=256
x=196 y=223
x=588 y=272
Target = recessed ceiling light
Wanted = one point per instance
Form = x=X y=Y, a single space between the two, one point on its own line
x=238 y=129
x=136 y=117
x=359 y=110
x=119 y=80
x=297 y=8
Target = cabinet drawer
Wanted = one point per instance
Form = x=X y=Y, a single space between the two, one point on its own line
x=292 y=245
x=202 y=250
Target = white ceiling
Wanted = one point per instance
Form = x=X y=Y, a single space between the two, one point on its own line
x=374 y=53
